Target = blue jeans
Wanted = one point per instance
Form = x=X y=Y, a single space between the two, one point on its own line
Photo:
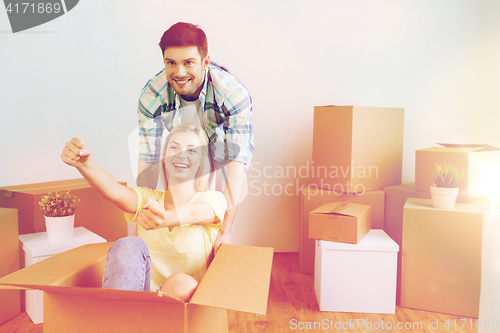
x=128 y=265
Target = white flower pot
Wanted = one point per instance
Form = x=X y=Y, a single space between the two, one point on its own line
x=443 y=197
x=60 y=229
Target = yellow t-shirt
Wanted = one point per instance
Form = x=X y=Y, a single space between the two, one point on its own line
x=185 y=249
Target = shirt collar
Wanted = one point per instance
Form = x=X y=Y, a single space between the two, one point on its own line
x=205 y=84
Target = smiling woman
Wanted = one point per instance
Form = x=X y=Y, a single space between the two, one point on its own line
x=176 y=228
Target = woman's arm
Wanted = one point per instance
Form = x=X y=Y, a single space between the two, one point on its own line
x=153 y=216
x=76 y=154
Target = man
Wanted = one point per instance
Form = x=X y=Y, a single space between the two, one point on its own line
x=191 y=88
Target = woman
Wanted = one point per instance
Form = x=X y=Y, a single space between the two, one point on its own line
x=176 y=228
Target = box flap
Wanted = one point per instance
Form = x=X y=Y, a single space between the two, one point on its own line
x=341 y=208
x=472 y=146
x=374 y=240
x=238 y=279
x=55 y=270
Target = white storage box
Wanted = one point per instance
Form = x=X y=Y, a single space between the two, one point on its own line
x=357 y=277
x=37 y=247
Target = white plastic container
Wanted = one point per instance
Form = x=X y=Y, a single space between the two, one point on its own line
x=357 y=277
x=60 y=229
x=444 y=197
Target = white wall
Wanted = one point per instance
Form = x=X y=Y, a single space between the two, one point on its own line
x=81 y=74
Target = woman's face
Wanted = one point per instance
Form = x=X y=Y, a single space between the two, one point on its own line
x=183 y=156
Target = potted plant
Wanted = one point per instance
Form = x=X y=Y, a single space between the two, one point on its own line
x=59 y=211
x=444 y=191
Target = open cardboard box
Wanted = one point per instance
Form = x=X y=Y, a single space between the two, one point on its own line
x=238 y=279
x=476 y=159
x=312 y=197
x=344 y=222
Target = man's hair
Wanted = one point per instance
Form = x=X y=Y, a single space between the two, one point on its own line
x=184 y=34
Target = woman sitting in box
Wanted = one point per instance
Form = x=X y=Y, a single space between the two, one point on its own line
x=176 y=228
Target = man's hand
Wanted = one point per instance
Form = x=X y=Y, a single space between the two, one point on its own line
x=223 y=237
x=224 y=234
x=152 y=216
x=75 y=153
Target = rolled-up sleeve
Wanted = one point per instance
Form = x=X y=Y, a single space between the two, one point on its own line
x=238 y=129
x=150 y=125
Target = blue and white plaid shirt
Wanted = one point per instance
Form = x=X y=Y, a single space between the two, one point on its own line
x=226 y=111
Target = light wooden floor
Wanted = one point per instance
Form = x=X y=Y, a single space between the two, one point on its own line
x=292 y=305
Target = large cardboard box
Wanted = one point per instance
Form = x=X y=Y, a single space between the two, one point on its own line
x=37 y=247
x=10 y=300
x=344 y=222
x=395 y=199
x=238 y=279
x=478 y=161
x=357 y=149
x=94 y=212
x=489 y=304
x=312 y=197
x=357 y=277
x=441 y=260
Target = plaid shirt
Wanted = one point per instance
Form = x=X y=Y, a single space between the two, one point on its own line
x=226 y=111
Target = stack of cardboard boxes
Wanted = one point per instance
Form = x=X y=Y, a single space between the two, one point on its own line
x=441 y=257
x=357 y=151
x=355 y=187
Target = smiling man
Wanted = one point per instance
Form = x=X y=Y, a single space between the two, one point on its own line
x=191 y=88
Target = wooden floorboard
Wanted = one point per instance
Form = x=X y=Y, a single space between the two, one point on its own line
x=292 y=307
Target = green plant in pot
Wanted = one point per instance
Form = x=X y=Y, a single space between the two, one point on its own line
x=59 y=211
x=444 y=191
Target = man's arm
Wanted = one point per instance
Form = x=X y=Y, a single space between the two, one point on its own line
x=148 y=174
x=232 y=191
x=150 y=131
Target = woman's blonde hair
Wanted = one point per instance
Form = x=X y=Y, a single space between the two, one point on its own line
x=203 y=172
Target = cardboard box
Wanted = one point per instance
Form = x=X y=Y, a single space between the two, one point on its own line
x=238 y=279
x=344 y=222
x=313 y=197
x=441 y=257
x=476 y=160
x=10 y=300
x=37 y=247
x=395 y=199
x=357 y=277
x=94 y=212
x=357 y=149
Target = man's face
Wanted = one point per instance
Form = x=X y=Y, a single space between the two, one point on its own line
x=184 y=69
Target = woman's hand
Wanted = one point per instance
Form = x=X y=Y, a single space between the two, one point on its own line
x=152 y=216
x=75 y=153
